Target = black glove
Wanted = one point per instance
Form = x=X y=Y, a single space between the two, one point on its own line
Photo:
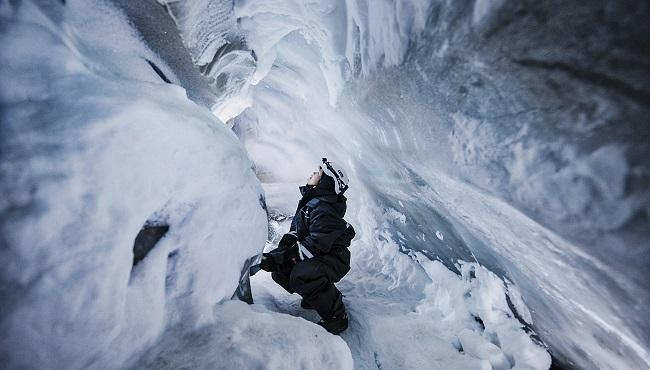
x=280 y=259
x=268 y=263
x=287 y=240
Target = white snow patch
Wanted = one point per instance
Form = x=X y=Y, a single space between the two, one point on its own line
x=477 y=346
x=455 y=301
x=520 y=241
x=249 y=337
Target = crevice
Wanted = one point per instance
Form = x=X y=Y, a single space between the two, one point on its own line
x=479 y=321
x=171 y=273
x=158 y=71
x=527 y=327
x=147 y=239
x=377 y=362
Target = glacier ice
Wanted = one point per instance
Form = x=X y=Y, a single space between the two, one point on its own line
x=528 y=160
x=497 y=154
x=248 y=337
x=94 y=145
x=408 y=311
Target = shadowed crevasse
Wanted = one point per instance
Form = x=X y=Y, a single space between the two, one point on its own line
x=146 y=240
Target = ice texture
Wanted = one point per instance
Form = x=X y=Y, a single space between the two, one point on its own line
x=94 y=144
x=408 y=311
x=516 y=130
x=249 y=337
x=217 y=47
x=522 y=144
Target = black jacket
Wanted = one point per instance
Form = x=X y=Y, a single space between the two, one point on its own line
x=321 y=227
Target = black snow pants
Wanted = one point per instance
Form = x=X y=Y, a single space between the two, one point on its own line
x=314 y=280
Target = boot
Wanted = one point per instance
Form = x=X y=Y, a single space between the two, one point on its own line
x=305 y=305
x=336 y=324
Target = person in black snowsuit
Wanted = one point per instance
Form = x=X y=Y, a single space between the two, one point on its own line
x=315 y=249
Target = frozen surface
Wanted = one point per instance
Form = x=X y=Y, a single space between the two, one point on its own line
x=208 y=28
x=94 y=144
x=407 y=311
x=249 y=337
x=529 y=161
x=159 y=32
x=497 y=151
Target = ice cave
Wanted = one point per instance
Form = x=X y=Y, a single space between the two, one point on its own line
x=499 y=182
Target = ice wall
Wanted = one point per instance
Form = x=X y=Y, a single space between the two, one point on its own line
x=97 y=138
x=507 y=133
x=514 y=129
x=524 y=104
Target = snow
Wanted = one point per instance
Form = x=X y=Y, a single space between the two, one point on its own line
x=408 y=158
x=411 y=312
x=456 y=209
x=97 y=144
x=290 y=125
x=250 y=337
x=525 y=247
